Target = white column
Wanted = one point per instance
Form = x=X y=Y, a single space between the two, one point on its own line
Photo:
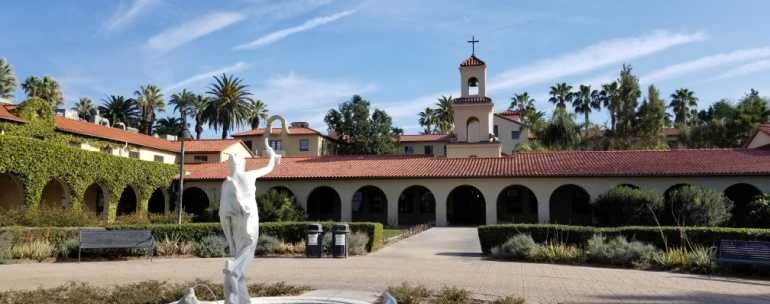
x=543 y=205
x=441 y=197
x=392 y=196
x=490 y=200
x=346 y=201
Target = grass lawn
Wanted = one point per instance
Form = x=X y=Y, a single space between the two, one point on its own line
x=391 y=232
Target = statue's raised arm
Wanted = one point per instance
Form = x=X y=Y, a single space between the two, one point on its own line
x=273 y=158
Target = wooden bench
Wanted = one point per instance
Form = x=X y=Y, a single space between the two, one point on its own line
x=116 y=239
x=745 y=252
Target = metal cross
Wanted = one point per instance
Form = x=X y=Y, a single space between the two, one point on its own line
x=473 y=42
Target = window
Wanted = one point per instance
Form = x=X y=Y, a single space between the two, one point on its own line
x=201 y=158
x=133 y=154
x=304 y=145
x=408 y=150
x=158 y=158
x=248 y=144
x=495 y=131
x=275 y=144
x=515 y=135
x=428 y=149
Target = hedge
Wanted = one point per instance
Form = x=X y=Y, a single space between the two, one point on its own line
x=494 y=235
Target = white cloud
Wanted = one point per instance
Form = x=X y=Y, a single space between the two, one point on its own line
x=746 y=69
x=595 y=56
x=283 y=33
x=126 y=15
x=706 y=62
x=239 y=66
x=174 y=37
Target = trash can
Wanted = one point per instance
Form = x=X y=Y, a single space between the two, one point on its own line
x=313 y=237
x=340 y=239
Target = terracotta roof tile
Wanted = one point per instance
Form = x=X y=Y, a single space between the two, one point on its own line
x=85 y=128
x=472 y=100
x=5 y=114
x=472 y=61
x=713 y=162
x=424 y=138
x=510 y=115
x=277 y=131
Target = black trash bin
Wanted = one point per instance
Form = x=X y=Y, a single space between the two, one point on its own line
x=340 y=240
x=313 y=238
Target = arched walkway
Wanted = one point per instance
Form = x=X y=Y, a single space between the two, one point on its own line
x=370 y=205
x=570 y=204
x=416 y=205
x=466 y=206
x=128 y=201
x=672 y=188
x=323 y=204
x=11 y=192
x=741 y=194
x=55 y=195
x=195 y=202
x=516 y=204
x=157 y=202
x=94 y=199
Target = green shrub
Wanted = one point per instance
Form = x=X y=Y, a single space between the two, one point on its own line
x=623 y=205
x=357 y=243
x=453 y=295
x=212 y=246
x=759 y=212
x=276 y=206
x=697 y=206
x=68 y=248
x=519 y=246
x=618 y=251
x=269 y=245
x=408 y=294
x=698 y=259
x=38 y=250
x=557 y=252
x=173 y=244
x=6 y=244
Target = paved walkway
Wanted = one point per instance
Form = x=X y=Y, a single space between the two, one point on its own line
x=438 y=257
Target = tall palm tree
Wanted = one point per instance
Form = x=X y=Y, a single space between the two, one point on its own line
x=428 y=120
x=611 y=100
x=445 y=114
x=149 y=99
x=585 y=101
x=200 y=110
x=169 y=126
x=182 y=101
x=561 y=94
x=7 y=80
x=521 y=102
x=682 y=101
x=86 y=109
x=119 y=109
x=46 y=88
x=256 y=111
x=229 y=102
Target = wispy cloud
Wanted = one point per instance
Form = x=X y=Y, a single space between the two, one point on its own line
x=283 y=33
x=746 y=69
x=706 y=62
x=125 y=15
x=591 y=58
x=174 y=37
x=239 y=66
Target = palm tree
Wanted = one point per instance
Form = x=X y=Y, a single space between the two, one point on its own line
x=229 y=103
x=7 y=80
x=86 y=109
x=428 y=120
x=445 y=114
x=149 y=99
x=200 y=110
x=561 y=94
x=182 y=101
x=611 y=100
x=169 y=126
x=256 y=111
x=682 y=101
x=119 y=109
x=521 y=102
x=586 y=100
x=46 y=88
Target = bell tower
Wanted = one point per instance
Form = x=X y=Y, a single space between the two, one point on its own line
x=473 y=74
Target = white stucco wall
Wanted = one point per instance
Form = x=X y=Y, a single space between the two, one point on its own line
x=504 y=129
x=759 y=140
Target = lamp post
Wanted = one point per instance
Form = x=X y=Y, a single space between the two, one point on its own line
x=184 y=134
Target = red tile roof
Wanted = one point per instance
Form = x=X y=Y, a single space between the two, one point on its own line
x=472 y=61
x=472 y=100
x=510 y=115
x=84 y=128
x=636 y=163
x=277 y=131
x=5 y=114
x=424 y=138
x=211 y=145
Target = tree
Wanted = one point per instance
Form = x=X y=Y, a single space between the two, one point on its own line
x=628 y=97
x=149 y=99
x=445 y=114
x=46 y=88
x=277 y=206
x=428 y=119
x=627 y=206
x=182 y=101
x=561 y=94
x=256 y=111
x=697 y=206
x=561 y=132
x=119 y=109
x=169 y=126
x=358 y=131
x=752 y=110
x=611 y=101
x=585 y=100
x=652 y=118
x=86 y=109
x=531 y=118
x=682 y=101
x=199 y=110
x=7 y=80
x=230 y=98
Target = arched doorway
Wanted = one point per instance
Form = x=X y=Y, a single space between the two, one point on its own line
x=195 y=202
x=157 y=202
x=741 y=194
x=466 y=206
x=94 y=199
x=11 y=192
x=472 y=126
x=285 y=192
x=516 y=204
x=128 y=201
x=416 y=205
x=370 y=205
x=324 y=204
x=55 y=195
x=570 y=204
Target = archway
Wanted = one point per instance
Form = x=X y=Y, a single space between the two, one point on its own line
x=157 y=202
x=472 y=126
x=285 y=192
x=416 y=205
x=195 y=202
x=324 y=204
x=466 y=206
x=55 y=195
x=741 y=194
x=128 y=201
x=671 y=189
x=570 y=204
x=11 y=192
x=516 y=204
x=370 y=205
x=94 y=199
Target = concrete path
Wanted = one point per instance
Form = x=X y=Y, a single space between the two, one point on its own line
x=436 y=258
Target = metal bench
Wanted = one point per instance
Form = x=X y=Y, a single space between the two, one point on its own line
x=745 y=252
x=115 y=239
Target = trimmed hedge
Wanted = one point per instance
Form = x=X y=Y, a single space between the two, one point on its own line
x=494 y=235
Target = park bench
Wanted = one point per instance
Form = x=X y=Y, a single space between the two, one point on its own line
x=116 y=239
x=745 y=252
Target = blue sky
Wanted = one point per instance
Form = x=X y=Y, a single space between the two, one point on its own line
x=303 y=57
